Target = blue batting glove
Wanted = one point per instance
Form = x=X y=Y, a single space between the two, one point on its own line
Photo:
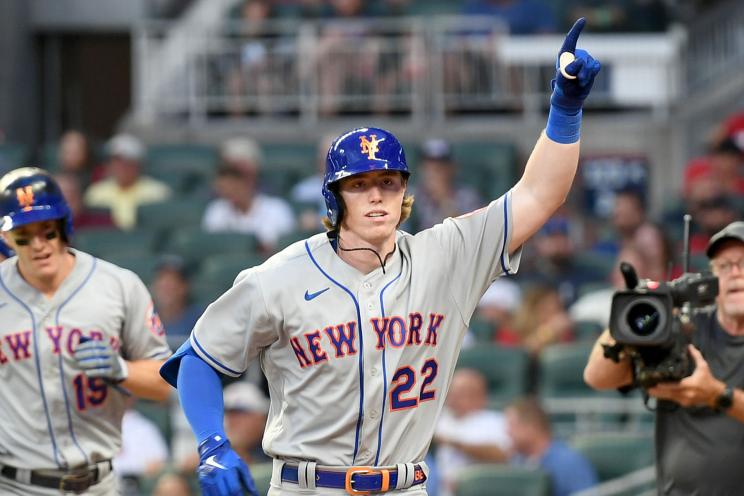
x=221 y=471
x=564 y=119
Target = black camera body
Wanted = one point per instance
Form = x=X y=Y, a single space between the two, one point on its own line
x=652 y=322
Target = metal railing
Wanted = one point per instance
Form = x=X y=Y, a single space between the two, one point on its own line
x=417 y=68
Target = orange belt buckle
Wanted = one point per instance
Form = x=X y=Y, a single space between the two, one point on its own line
x=352 y=471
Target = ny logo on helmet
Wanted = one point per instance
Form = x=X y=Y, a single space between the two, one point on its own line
x=369 y=148
x=25 y=196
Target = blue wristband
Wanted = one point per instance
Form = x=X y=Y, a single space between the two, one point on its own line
x=563 y=127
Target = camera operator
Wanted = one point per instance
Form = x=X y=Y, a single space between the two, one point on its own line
x=699 y=419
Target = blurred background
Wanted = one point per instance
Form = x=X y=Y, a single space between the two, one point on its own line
x=189 y=136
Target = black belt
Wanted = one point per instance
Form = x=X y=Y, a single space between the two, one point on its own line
x=76 y=480
x=356 y=480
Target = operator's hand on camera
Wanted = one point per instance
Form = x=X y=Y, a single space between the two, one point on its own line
x=698 y=389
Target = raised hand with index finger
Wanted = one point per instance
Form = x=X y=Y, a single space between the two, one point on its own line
x=575 y=73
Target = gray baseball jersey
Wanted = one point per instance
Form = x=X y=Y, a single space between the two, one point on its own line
x=358 y=365
x=53 y=415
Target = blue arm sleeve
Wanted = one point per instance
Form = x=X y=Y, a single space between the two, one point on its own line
x=200 y=392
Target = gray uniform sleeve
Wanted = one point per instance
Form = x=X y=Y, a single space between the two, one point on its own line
x=143 y=336
x=234 y=329
x=474 y=251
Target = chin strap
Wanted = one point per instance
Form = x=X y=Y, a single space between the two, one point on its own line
x=382 y=262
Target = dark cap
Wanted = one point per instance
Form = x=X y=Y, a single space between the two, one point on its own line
x=734 y=231
x=436 y=149
x=173 y=262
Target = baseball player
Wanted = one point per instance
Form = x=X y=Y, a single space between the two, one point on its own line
x=358 y=329
x=77 y=334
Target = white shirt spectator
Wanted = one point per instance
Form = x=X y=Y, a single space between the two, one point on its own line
x=143 y=448
x=478 y=428
x=268 y=219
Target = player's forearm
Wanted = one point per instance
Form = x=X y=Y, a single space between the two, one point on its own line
x=603 y=373
x=200 y=392
x=543 y=187
x=144 y=380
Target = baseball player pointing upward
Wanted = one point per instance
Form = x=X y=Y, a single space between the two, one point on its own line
x=77 y=334
x=358 y=329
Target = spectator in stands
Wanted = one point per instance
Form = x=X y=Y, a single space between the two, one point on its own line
x=82 y=217
x=522 y=16
x=497 y=308
x=126 y=188
x=306 y=194
x=144 y=451
x=556 y=264
x=542 y=320
x=171 y=484
x=595 y=306
x=633 y=228
x=75 y=156
x=438 y=196
x=240 y=206
x=251 y=81
x=467 y=432
x=170 y=292
x=246 y=409
x=710 y=216
x=348 y=56
x=533 y=445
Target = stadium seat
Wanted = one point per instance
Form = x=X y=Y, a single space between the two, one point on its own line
x=502 y=480
x=587 y=330
x=105 y=243
x=194 y=244
x=177 y=212
x=185 y=167
x=142 y=264
x=505 y=370
x=261 y=473
x=561 y=370
x=222 y=269
x=615 y=454
x=12 y=156
x=285 y=164
x=159 y=413
x=487 y=166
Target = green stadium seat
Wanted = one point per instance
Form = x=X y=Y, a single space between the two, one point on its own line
x=223 y=269
x=195 y=245
x=185 y=167
x=108 y=242
x=561 y=370
x=12 y=156
x=174 y=213
x=261 y=473
x=505 y=370
x=587 y=330
x=159 y=413
x=482 y=331
x=502 y=480
x=285 y=164
x=142 y=264
x=487 y=166
x=615 y=454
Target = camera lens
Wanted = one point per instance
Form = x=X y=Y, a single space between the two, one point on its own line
x=643 y=318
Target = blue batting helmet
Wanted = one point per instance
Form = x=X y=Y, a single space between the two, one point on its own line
x=30 y=194
x=360 y=150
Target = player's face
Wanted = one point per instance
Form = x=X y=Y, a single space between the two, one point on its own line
x=39 y=247
x=727 y=265
x=372 y=204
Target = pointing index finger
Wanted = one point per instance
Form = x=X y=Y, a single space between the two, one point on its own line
x=569 y=44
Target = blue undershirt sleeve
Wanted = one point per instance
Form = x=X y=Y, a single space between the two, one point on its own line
x=200 y=392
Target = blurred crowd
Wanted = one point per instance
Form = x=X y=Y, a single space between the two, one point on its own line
x=558 y=302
